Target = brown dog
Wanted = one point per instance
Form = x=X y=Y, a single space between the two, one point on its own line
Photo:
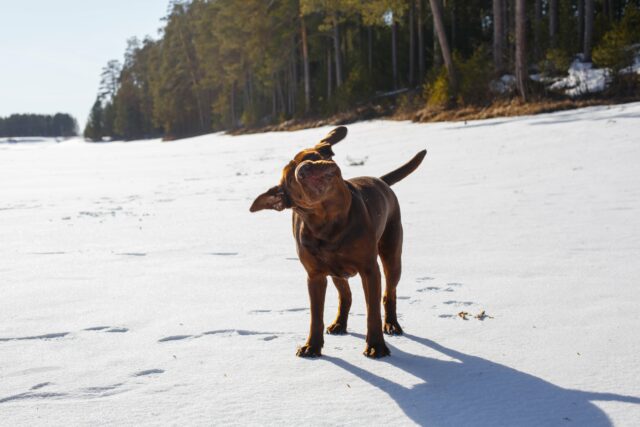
x=341 y=227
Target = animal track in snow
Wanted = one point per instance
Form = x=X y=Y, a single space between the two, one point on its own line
x=225 y=332
x=56 y=335
x=148 y=372
x=175 y=338
x=286 y=310
x=110 y=329
x=428 y=288
x=32 y=396
x=85 y=392
x=101 y=390
x=39 y=386
x=223 y=253
x=117 y=330
x=459 y=303
x=21 y=206
x=424 y=279
x=37 y=337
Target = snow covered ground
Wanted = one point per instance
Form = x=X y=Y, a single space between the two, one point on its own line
x=136 y=287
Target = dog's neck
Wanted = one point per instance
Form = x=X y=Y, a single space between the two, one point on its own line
x=327 y=219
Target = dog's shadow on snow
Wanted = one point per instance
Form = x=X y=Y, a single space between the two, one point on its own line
x=477 y=392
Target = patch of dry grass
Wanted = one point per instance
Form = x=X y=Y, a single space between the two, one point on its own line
x=505 y=108
x=500 y=108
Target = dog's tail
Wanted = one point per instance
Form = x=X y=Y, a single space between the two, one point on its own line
x=404 y=170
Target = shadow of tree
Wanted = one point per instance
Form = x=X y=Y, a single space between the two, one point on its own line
x=477 y=392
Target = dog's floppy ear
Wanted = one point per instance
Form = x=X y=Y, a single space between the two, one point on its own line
x=325 y=150
x=273 y=198
x=335 y=135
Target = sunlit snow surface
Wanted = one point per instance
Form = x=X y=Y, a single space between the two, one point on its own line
x=136 y=288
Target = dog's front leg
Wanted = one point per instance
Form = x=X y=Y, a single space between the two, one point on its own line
x=372 y=293
x=317 y=286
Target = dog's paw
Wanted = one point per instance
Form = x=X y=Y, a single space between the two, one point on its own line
x=337 y=329
x=377 y=351
x=308 y=351
x=392 y=328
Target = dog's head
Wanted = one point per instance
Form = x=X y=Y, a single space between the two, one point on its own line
x=307 y=180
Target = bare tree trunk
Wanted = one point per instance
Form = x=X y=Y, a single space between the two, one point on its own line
x=580 y=25
x=283 y=105
x=394 y=53
x=588 y=29
x=370 y=49
x=610 y=14
x=245 y=94
x=336 y=48
x=274 y=101
x=438 y=23
x=437 y=57
x=305 y=61
x=233 y=105
x=498 y=32
x=412 y=45
x=521 y=48
x=250 y=87
x=506 y=29
x=537 y=11
x=553 y=22
x=420 y=41
x=453 y=24
x=329 y=74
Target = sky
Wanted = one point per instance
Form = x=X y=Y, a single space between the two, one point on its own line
x=52 y=52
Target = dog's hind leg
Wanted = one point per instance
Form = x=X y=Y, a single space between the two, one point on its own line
x=390 y=251
x=339 y=326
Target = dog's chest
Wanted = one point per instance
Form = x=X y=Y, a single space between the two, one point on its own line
x=331 y=258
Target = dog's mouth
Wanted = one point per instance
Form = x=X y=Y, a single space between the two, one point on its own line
x=315 y=177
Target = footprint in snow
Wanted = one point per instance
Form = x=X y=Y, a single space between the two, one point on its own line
x=48 y=253
x=37 y=337
x=428 y=288
x=458 y=303
x=39 y=386
x=32 y=396
x=175 y=338
x=148 y=372
x=224 y=332
x=287 y=310
x=110 y=329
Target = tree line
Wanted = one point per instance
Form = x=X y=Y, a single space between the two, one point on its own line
x=221 y=64
x=58 y=125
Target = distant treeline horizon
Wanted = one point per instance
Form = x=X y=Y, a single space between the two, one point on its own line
x=228 y=64
x=56 y=125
